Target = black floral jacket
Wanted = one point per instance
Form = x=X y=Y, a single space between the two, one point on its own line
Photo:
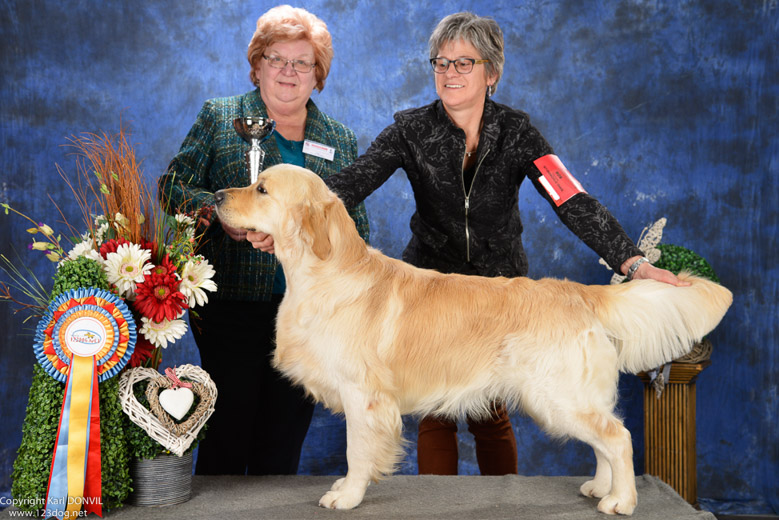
x=473 y=229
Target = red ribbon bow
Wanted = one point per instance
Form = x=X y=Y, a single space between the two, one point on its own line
x=171 y=373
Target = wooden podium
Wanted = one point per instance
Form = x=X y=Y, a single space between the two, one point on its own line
x=669 y=429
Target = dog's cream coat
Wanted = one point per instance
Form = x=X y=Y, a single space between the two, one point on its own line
x=373 y=337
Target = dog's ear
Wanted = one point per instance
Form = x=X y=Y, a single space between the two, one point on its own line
x=314 y=226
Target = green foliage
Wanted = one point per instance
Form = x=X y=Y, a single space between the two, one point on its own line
x=39 y=434
x=39 y=431
x=114 y=454
x=81 y=272
x=677 y=258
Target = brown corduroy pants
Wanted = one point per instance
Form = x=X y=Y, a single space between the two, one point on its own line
x=496 y=446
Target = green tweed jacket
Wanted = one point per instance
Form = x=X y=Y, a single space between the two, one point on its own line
x=212 y=158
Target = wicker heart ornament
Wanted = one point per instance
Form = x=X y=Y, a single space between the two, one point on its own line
x=157 y=423
x=154 y=392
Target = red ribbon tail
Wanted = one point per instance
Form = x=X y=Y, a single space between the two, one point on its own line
x=93 y=493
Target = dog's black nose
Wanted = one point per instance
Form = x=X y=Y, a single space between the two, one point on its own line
x=219 y=196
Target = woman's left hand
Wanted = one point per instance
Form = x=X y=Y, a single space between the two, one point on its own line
x=647 y=271
x=261 y=241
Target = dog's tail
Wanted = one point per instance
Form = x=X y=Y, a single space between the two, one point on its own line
x=652 y=323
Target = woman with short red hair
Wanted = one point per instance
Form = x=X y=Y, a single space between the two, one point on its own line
x=260 y=420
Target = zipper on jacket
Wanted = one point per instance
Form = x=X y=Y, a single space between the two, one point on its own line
x=467 y=195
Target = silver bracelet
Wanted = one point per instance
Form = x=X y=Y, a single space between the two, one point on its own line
x=634 y=267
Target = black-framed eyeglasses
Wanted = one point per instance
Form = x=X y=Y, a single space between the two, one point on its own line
x=298 y=65
x=461 y=65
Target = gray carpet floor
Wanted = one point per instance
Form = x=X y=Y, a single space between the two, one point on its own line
x=408 y=497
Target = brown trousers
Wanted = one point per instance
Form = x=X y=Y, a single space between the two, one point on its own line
x=496 y=446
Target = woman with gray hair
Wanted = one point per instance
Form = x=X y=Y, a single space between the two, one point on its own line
x=465 y=157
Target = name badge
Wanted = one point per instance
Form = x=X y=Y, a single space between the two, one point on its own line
x=318 y=150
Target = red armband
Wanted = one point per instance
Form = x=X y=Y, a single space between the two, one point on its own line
x=557 y=180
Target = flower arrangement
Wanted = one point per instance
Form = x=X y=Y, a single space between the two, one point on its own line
x=125 y=245
x=159 y=282
x=149 y=258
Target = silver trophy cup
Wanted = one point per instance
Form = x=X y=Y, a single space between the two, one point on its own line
x=254 y=131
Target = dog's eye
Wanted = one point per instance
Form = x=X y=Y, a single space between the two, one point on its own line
x=261 y=189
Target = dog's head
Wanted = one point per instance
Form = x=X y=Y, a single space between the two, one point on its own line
x=290 y=203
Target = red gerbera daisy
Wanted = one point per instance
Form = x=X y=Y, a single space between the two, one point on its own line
x=158 y=296
x=110 y=246
x=165 y=269
x=151 y=246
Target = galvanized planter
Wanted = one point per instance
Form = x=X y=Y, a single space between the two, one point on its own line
x=165 y=480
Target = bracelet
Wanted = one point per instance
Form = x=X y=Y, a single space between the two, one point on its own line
x=634 y=267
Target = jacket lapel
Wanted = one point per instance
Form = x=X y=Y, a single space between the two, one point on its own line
x=491 y=126
x=315 y=132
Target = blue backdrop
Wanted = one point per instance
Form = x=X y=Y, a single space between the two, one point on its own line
x=661 y=109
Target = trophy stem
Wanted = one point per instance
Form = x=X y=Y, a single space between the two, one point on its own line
x=254 y=159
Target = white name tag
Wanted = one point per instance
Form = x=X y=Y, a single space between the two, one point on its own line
x=318 y=150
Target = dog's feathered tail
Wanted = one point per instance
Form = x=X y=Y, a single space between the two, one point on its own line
x=652 y=323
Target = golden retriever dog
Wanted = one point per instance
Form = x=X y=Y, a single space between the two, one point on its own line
x=374 y=338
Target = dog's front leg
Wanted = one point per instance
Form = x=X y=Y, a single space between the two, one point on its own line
x=373 y=427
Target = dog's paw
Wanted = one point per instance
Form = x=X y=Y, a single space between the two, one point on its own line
x=593 y=488
x=613 y=504
x=342 y=498
x=337 y=484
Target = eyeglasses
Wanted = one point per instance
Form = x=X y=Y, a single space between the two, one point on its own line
x=298 y=65
x=461 y=65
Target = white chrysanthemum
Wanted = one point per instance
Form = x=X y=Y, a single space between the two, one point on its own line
x=186 y=224
x=196 y=279
x=185 y=220
x=100 y=232
x=126 y=267
x=87 y=249
x=160 y=334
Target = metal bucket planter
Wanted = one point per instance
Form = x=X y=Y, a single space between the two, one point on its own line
x=165 y=480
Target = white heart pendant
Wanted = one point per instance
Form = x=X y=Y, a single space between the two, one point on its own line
x=177 y=401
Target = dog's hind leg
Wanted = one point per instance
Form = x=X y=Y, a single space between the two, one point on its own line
x=600 y=485
x=373 y=447
x=611 y=441
x=591 y=422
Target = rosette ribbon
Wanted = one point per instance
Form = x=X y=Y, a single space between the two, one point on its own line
x=86 y=336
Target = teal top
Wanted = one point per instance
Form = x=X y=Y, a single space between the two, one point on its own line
x=212 y=158
x=291 y=153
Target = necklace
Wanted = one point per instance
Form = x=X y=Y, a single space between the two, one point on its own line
x=468 y=154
